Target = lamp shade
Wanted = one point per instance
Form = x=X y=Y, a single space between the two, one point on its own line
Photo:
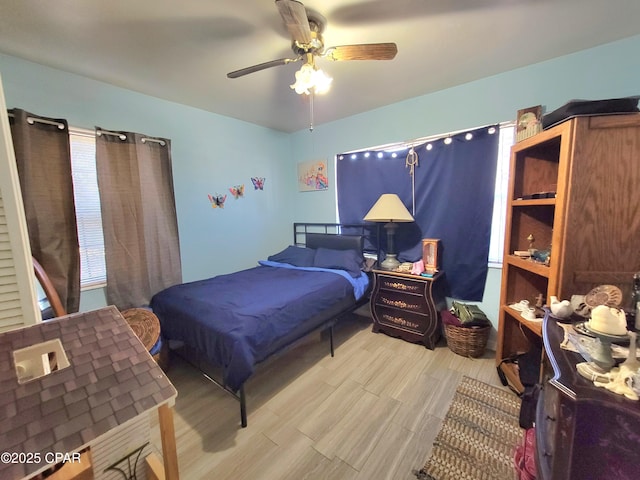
x=388 y=208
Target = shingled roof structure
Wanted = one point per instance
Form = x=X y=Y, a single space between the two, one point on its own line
x=111 y=379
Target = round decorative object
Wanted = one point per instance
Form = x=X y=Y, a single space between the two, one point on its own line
x=579 y=306
x=608 y=295
x=144 y=324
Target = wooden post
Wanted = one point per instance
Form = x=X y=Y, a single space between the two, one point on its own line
x=168 y=435
x=155 y=469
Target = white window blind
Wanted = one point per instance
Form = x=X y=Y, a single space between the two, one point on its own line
x=88 y=216
x=496 y=244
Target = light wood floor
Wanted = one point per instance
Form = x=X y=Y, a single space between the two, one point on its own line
x=371 y=412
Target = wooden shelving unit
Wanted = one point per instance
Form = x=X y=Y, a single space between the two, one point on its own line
x=591 y=226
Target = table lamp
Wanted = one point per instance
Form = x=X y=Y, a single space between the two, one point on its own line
x=390 y=210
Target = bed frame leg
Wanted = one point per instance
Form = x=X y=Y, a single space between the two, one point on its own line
x=331 y=338
x=243 y=407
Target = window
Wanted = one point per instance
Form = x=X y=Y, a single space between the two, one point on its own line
x=496 y=244
x=93 y=271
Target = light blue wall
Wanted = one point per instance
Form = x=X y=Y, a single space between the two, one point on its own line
x=608 y=71
x=211 y=152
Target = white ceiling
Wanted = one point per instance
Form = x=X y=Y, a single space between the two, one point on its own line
x=181 y=50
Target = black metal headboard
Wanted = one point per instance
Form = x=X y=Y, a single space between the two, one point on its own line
x=335 y=242
x=339 y=236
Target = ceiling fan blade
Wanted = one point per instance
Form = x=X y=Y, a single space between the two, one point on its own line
x=261 y=66
x=367 y=51
x=295 y=18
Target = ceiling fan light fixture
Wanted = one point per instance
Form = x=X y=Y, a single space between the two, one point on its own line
x=311 y=78
x=322 y=81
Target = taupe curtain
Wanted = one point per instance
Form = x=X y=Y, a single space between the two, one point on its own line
x=43 y=157
x=138 y=216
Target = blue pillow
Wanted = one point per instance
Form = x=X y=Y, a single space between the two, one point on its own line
x=296 y=256
x=348 y=260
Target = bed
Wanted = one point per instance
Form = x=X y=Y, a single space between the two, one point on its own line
x=238 y=320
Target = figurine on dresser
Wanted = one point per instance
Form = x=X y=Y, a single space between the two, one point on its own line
x=598 y=328
x=621 y=379
x=560 y=309
x=607 y=326
x=588 y=416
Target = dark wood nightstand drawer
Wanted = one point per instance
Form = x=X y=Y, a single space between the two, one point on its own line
x=393 y=317
x=405 y=301
x=400 y=284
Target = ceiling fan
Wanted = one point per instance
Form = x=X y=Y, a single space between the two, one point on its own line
x=307 y=44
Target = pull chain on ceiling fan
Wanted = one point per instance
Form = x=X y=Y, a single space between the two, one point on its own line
x=307 y=43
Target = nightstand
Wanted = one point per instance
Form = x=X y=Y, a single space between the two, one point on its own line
x=408 y=306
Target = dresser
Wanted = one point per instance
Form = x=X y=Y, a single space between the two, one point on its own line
x=407 y=306
x=582 y=432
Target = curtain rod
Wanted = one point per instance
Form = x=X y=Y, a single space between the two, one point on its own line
x=411 y=143
x=61 y=126
x=100 y=132
x=156 y=140
x=123 y=137
x=32 y=120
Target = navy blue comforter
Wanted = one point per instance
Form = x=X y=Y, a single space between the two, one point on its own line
x=238 y=320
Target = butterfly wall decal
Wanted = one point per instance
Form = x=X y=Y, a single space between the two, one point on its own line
x=237 y=191
x=258 y=183
x=217 y=200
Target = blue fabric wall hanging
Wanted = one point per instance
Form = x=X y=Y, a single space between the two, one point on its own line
x=454 y=192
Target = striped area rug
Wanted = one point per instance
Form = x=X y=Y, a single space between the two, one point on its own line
x=478 y=435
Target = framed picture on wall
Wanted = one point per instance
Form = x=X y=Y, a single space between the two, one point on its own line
x=528 y=122
x=431 y=254
x=313 y=176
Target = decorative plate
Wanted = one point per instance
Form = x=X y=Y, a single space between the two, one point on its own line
x=621 y=339
x=608 y=295
x=584 y=329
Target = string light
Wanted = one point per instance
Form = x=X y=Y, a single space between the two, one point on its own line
x=393 y=150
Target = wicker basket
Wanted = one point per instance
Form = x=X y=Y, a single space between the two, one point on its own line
x=146 y=326
x=467 y=341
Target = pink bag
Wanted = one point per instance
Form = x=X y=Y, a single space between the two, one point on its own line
x=418 y=267
x=525 y=456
